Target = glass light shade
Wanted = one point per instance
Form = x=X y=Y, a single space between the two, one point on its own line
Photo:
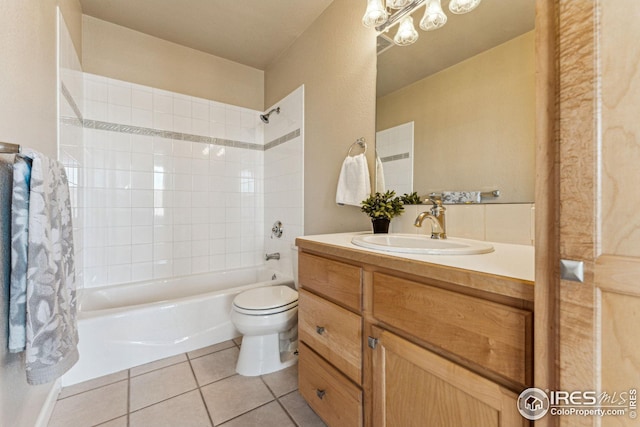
x=434 y=16
x=375 y=14
x=397 y=4
x=463 y=6
x=406 y=34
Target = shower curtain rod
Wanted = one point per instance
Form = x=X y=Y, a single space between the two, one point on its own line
x=6 y=147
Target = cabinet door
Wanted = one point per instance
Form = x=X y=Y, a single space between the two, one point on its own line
x=413 y=387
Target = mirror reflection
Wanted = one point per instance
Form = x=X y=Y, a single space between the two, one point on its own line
x=456 y=109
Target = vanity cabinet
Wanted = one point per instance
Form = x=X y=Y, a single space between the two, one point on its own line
x=398 y=343
x=413 y=387
x=330 y=336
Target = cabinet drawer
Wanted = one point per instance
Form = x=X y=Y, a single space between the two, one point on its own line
x=492 y=335
x=336 y=280
x=332 y=331
x=331 y=395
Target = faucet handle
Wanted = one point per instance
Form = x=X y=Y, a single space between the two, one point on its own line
x=436 y=199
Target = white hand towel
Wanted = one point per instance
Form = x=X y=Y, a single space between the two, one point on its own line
x=353 y=185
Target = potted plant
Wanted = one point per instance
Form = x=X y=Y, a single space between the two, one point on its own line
x=411 y=199
x=381 y=207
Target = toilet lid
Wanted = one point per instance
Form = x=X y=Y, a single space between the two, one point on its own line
x=266 y=298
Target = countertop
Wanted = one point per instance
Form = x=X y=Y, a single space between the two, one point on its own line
x=508 y=270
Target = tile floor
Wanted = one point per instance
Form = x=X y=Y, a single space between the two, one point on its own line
x=196 y=389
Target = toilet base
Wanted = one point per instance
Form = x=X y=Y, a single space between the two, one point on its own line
x=261 y=355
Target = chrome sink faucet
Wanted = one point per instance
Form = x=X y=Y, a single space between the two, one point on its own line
x=436 y=217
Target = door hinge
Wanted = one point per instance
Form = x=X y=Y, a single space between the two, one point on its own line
x=572 y=270
x=373 y=342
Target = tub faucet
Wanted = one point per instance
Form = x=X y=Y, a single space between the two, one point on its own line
x=436 y=217
x=275 y=255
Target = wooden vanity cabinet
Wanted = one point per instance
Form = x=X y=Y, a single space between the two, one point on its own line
x=330 y=336
x=381 y=347
x=413 y=387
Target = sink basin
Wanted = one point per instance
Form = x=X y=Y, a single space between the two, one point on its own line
x=419 y=244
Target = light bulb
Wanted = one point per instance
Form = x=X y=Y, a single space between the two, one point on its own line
x=406 y=34
x=463 y=6
x=375 y=14
x=434 y=16
x=397 y=4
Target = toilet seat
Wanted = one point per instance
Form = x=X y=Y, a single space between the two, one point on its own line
x=266 y=300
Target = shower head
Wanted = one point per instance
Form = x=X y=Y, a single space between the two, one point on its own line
x=265 y=117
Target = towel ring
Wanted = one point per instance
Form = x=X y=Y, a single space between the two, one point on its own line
x=361 y=142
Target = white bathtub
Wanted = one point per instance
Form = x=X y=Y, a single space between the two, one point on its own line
x=127 y=325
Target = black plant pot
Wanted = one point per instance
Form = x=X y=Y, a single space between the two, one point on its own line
x=380 y=225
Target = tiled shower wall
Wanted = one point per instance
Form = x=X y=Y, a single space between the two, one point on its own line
x=167 y=185
x=173 y=184
x=283 y=177
x=70 y=133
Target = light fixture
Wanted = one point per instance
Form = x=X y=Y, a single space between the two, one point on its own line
x=397 y=4
x=396 y=12
x=463 y=6
x=434 y=16
x=406 y=34
x=375 y=14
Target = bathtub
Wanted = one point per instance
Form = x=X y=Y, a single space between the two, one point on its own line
x=123 y=326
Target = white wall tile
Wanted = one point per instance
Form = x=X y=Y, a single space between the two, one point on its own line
x=509 y=223
x=466 y=221
x=160 y=207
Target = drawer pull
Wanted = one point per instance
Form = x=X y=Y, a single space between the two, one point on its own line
x=320 y=330
x=320 y=393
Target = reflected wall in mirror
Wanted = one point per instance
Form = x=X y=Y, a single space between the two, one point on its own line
x=394 y=161
x=469 y=88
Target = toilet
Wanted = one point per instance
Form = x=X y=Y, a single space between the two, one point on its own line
x=267 y=317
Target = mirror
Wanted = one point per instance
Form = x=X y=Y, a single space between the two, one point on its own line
x=468 y=91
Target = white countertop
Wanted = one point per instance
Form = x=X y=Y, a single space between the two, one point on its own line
x=516 y=261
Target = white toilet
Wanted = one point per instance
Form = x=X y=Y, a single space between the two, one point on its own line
x=267 y=317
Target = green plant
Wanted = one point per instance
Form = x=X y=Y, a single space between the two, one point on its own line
x=411 y=199
x=382 y=205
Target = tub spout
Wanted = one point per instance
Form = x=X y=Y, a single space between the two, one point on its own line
x=275 y=255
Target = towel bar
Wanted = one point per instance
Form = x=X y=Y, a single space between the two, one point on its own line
x=361 y=142
x=6 y=147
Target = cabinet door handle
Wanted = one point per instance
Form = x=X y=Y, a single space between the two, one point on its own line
x=320 y=393
x=320 y=330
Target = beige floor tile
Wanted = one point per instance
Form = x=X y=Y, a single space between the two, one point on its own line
x=269 y=415
x=234 y=396
x=161 y=384
x=215 y=366
x=118 y=422
x=158 y=364
x=186 y=410
x=91 y=384
x=92 y=407
x=300 y=411
x=238 y=341
x=211 y=349
x=282 y=382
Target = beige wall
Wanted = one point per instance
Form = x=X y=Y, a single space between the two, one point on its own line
x=336 y=61
x=27 y=117
x=72 y=12
x=474 y=123
x=28 y=74
x=118 y=52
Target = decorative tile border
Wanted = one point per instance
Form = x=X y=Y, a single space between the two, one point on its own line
x=282 y=139
x=67 y=95
x=395 y=157
x=138 y=130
